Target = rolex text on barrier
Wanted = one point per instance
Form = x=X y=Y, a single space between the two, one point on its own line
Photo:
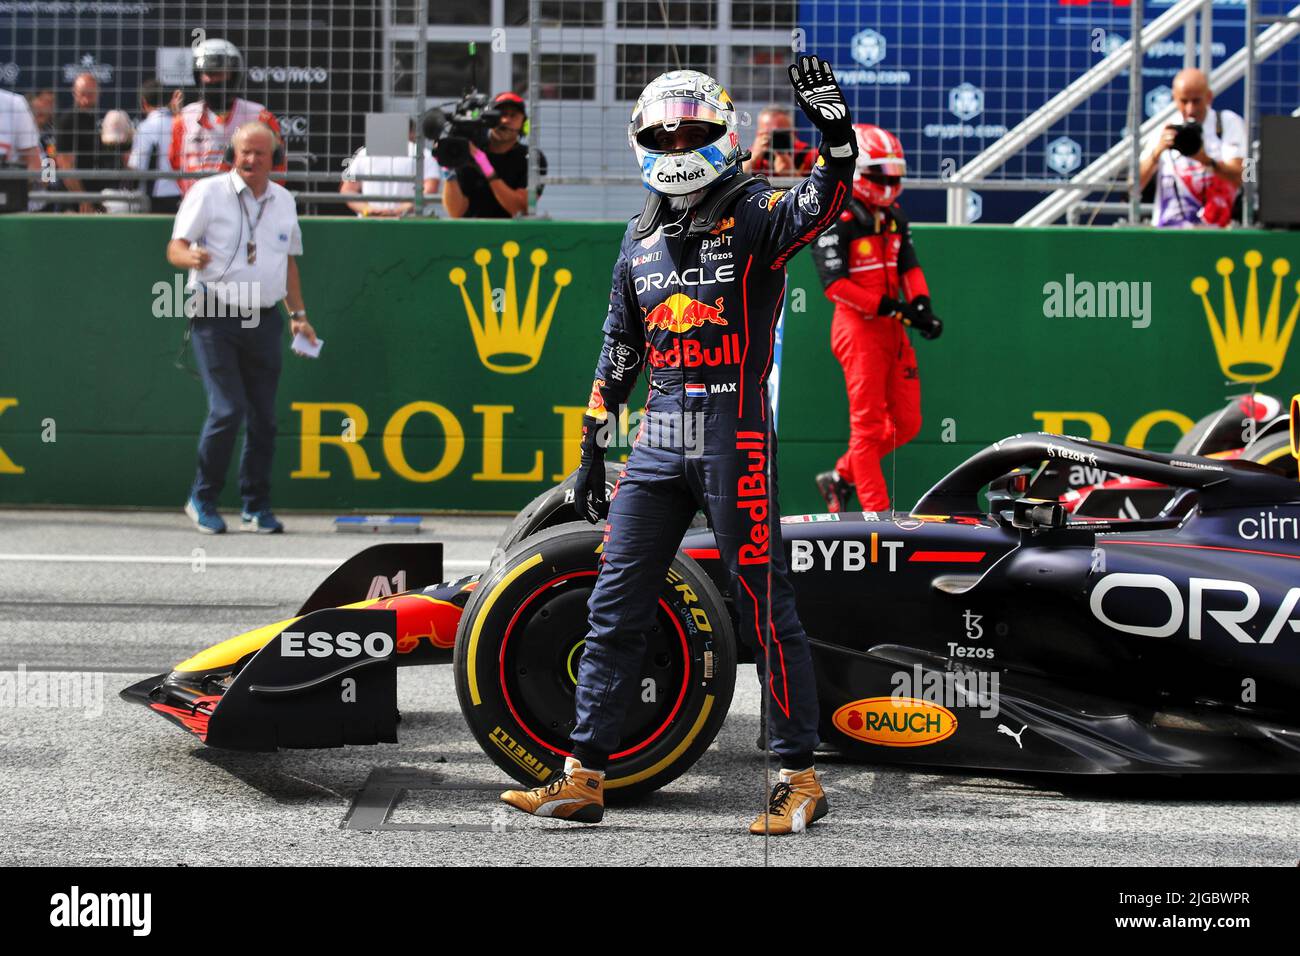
x=461 y=353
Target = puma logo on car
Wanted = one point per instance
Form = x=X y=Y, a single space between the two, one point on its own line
x=1004 y=729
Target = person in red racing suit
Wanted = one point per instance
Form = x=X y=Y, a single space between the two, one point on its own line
x=868 y=268
x=695 y=299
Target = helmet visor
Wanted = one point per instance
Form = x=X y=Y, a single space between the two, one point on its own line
x=887 y=165
x=671 y=111
x=687 y=135
x=216 y=62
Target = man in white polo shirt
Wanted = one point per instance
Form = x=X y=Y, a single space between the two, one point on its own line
x=238 y=235
x=363 y=165
x=20 y=142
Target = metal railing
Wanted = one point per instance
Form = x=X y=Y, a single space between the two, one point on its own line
x=1127 y=56
x=1079 y=209
x=1281 y=30
x=137 y=196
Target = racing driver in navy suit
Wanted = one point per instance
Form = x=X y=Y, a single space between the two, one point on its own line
x=697 y=291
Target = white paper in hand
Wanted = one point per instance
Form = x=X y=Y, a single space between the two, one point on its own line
x=302 y=345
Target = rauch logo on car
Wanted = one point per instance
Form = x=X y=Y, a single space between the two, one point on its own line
x=895 y=721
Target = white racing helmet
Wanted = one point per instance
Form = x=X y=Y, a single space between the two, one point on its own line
x=218 y=56
x=669 y=100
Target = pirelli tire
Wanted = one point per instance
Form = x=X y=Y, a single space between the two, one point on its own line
x=1273 y=451
x=517 y=650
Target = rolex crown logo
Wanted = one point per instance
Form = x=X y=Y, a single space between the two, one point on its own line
x=507 y=341
x=1248 y=350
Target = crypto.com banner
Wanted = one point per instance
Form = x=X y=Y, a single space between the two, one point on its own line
x=950 y=79
x=458 y=355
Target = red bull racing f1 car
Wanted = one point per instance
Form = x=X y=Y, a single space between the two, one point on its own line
x=983 y=629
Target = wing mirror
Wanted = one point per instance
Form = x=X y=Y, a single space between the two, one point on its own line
x=1034 y=514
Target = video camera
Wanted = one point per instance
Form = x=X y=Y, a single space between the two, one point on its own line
x=472 y=117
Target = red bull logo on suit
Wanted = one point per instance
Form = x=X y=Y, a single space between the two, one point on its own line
x=751 y=496
x=688 y=353
x=681 y=313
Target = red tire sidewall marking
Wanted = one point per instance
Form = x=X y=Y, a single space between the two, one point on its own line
x=501 y=670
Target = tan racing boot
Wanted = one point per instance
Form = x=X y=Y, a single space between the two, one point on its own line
x=576 y=795
x=797 y=802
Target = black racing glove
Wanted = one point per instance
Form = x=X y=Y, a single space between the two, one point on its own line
x=918 y=315
x=890 y=306
x=590 y=499
x=822 y=101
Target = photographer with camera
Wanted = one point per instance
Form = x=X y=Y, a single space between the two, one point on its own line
x=777 y=151
x=1199 y=162
x=485 y=167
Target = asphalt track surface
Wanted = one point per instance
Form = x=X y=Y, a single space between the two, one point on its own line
x=109 y=598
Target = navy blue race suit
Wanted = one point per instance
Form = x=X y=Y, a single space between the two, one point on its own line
x=700 y=312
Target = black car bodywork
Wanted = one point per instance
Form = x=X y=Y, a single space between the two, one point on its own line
x=982 y=629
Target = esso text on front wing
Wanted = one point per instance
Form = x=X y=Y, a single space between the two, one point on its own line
x=348 y=644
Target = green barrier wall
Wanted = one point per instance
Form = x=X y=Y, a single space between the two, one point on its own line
x=441 y=416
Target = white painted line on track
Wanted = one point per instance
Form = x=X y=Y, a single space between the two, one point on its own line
x=463 y=566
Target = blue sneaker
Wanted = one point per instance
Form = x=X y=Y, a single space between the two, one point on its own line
x=204 y=516
x=263 y=522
